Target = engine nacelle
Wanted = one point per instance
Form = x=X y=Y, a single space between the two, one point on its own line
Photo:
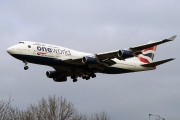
x=60 y=79
x=51 y=74
x=125 y=54
x=89 y=60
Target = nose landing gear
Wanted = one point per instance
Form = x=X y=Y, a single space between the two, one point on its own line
x=25 y=66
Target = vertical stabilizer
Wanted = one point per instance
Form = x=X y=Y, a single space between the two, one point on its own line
x=147 y=55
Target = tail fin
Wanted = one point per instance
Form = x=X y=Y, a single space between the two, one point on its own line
x=147 y=55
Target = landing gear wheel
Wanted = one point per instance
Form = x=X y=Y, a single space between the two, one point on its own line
x=87 y=77
x=93 y=75
x=74 y=80
x=83 y=77
x=26 y=68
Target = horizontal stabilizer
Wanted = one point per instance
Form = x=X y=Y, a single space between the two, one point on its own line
x=153 y=64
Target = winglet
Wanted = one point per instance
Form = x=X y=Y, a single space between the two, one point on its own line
x=172 y=38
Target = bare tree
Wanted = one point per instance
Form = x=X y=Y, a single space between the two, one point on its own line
x=5 y=107
x=54 y=108
x=7 y=112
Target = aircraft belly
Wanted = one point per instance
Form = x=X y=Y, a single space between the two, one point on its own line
x=114 y=70
x=45 y=61
x=34 y=59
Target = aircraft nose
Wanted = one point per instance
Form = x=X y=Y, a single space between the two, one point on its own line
x=10 y=50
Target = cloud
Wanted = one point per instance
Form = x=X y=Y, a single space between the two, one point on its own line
x=94 y=26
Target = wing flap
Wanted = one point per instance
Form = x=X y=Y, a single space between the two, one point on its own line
x=76 y=61
x=153 y=64
x=110 y=62
x=107 y=55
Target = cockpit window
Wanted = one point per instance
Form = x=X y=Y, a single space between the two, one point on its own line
x=21 y=42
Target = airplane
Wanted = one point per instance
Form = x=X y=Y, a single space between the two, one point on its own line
x=71 y=63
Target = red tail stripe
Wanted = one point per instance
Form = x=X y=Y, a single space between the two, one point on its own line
x=144 y=60
x=151 y=48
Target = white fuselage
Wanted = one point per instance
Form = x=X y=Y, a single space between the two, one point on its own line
x=74 y=64
x=46 y=54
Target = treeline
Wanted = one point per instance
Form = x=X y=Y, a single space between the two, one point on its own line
x=53 y=108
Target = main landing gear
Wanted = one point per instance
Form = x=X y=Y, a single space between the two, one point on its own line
x=87 y=77
x=25 y=66
x=74 y=78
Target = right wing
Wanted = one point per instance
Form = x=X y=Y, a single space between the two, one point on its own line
x=141 y=47
x=132 y=51
x=105 y=59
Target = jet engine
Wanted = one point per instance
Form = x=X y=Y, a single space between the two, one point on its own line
x=125 y=54
x=89 y=60
x=51 y=74
x=60 y=79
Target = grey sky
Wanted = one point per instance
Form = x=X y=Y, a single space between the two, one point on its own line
x=94 y=26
